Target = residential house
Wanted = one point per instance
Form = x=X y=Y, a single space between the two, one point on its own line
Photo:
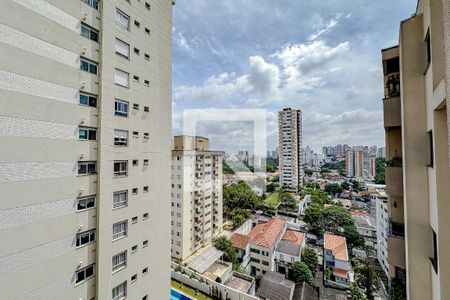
x=336 y=257
x=289 y=250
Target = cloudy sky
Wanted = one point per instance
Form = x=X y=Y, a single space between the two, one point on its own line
x=322 y=57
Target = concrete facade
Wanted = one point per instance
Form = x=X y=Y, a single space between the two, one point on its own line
x=196 y=200
x=67 y=148
x=420 y=204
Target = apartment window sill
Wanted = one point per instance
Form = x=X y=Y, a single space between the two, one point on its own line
x=118 y=270
x=119 y=238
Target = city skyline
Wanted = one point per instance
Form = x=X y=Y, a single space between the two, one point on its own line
x=322 y=57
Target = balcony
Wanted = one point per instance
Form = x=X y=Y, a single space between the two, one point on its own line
x=392 y=112
x=394 y=181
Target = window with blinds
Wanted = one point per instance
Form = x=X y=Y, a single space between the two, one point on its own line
x=122 y=49
x=120 y=291
x=119 y=230
x=120 y=138
x=120 y=199
x=122 y=78
x=119 y=261
x=122 y=19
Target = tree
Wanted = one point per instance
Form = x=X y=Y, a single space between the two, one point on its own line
x=239 y=195
x=309 y=257
x=313 y=215
x=366 y=277
x=333 y=188
x=380 y=164
x=308 y=172
x=356 y=293
x=345 y=186
x=356 y=186
x=397 y=290
x=223 y=244
x=319 y=196
x=301 y=273
x=312 y=185
x=239 y=215
x=226 y=169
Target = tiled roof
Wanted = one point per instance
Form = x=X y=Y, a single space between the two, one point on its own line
x=275 y=287
x=288 y=247
x=340 y=273
x=346 y=202
x=293 y=236
x=337 y=244
x=265 y=235
x=239 y=240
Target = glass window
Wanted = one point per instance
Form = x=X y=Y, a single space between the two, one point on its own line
x=85 y=273
x=122 y=78
x=119 y=229
x=120 y=168
x=120 y=137
x=122 y=19
x=84 y=203
x=89 y=32
x=120 y=199
x=87 y=134
x=88 y=66
x=88 y=100
x=120 y=291
x=121 y=108
x=119 y=261
x=86 y=237
x=92 y=3
x=87 y=168
x=122 y=48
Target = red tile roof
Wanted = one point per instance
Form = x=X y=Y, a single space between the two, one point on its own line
x=265 y=235
x=340 y=273
x=295 y=237
x=337 y=244
x=239 y=240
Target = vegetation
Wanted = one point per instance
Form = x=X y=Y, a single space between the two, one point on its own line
x=339 y=166
x=273 y=200
x=366 y=277
x=287 y=201
x=380 y=166
x=345 y=186
x=312 y=185
x=356 y=186
x=318 y=196
x=238 y=216
x=356 y=293
x=239 y=195
x=397 y=290
x=230 y=255
x=336 y=220
x=226 y=169
x=301 y=273
x=309 y=257
x=308 y=172
x=333 y=189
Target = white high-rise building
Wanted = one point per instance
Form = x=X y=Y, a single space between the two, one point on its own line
x=85 y=135
x=290 y=148
x=197 y=206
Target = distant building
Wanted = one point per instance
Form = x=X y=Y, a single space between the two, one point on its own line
x=196 y=195
x=360 y=163
x=381 y=153
x=290 y=149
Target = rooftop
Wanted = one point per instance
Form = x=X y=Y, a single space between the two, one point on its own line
x=337 y=244
x=275 y=287
x=293 y=236
x=202 y=263
x=288 y=247
x=239 y=240
x=265 y=235
x=239 y=282
x=217 y=270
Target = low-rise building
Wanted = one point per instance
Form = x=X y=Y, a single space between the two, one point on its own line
x=275 y=286
x=336 y=257
x=289 y=250
x=263 y=239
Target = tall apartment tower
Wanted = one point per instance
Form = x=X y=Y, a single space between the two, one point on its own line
x=196 y=195
x=416 y=121
x=290 y=148
x=85 y=90
x=359 y=162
